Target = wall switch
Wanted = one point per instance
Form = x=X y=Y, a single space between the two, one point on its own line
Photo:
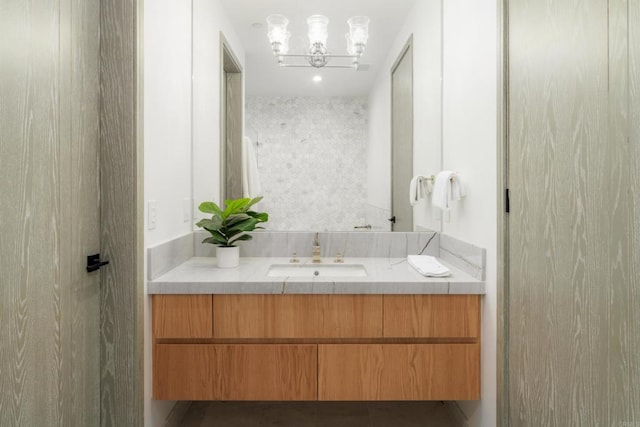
x=152 y=214
x=186 y=210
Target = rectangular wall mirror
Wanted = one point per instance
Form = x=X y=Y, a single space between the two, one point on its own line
x=330 y=149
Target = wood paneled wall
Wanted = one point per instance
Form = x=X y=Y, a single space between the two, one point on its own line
x=574 y=226
x=634 y=158
x=49 y=347
x=122 y=240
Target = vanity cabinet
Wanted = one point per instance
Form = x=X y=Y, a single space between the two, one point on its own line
x=297 y=316
x=235 y=371
x=398 y=371
x=316 y=347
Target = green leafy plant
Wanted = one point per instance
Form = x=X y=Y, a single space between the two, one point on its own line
x=231 y=224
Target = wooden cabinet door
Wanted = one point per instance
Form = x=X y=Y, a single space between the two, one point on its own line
x=297 y=316
x=398 y=371
x=235 y=372
x=432 y=316
x=182 y=316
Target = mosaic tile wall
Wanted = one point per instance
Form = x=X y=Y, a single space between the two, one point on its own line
x=312 y=160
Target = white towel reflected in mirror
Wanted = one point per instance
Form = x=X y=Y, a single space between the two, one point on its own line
x=250 y=175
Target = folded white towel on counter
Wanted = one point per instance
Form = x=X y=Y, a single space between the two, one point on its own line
x=447 y=188
x=428 y=266
x=419 y=188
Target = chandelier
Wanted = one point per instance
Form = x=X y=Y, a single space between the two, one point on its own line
x=318 y=56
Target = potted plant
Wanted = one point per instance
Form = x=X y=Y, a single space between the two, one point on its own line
x=230 y=225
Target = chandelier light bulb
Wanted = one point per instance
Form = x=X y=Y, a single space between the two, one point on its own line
x=351 y=50
x=318 y=29
x=359 y=30
x=277 y=30
x=284 y=47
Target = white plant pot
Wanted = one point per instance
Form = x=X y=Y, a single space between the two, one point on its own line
x=228 y=257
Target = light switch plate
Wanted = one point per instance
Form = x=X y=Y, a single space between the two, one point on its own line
x=152 y=214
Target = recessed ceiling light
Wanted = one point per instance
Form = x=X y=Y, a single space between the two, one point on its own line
x=317 y=79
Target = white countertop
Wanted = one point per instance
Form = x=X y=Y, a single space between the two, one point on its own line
x=200 y=275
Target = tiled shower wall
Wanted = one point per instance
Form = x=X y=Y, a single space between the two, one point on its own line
x=312 y=160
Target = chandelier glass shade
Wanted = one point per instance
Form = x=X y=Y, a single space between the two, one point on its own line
x=318 y=56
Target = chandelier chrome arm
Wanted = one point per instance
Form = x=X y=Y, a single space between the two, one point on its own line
x=317 y=57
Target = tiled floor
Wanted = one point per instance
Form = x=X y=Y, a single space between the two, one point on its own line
x=313 y=414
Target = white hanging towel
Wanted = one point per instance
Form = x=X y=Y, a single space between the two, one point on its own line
x=447 y=188
x=419 y=188
x=250 y=177
x=428 y=266
x=415 y=195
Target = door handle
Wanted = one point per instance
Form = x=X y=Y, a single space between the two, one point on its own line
x=393 y=219
x=94 y=263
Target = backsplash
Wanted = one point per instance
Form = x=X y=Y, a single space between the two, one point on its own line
x=349 y=244
x=465 y=256
x=312 y=160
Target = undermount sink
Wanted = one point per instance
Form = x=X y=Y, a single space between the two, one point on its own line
x=317 y=270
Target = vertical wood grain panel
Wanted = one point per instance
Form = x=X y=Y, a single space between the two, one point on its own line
x=29 y=214
x=398 y=371
x=571 y=271
x=121 y=287
x=558 y=116
x=634 y=159
x=182 y=316
x=83 y=216
x=619 y=217
x=49 y=363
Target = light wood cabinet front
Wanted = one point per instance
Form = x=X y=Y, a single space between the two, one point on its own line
x=182 y=316
x=398 y=371
x=235 y=372
x=316 y=347
x=432 y=316
x=297 y=316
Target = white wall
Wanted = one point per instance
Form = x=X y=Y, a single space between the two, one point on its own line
x=470 y=64
x=167 y=115
x=168 y=164
x=167 y=143
x=424 y=23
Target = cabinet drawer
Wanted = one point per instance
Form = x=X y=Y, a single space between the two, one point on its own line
x=432 y=316
x=399 y=371
x=235 y=372
x=182 y=316
x=297 y=316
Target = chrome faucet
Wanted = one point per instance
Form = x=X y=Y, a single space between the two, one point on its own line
x=316 y=250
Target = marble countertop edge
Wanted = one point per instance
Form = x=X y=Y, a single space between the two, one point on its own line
x=199 y=275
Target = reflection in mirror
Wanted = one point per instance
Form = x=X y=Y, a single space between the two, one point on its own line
x=320 y=138
x=231 y=132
